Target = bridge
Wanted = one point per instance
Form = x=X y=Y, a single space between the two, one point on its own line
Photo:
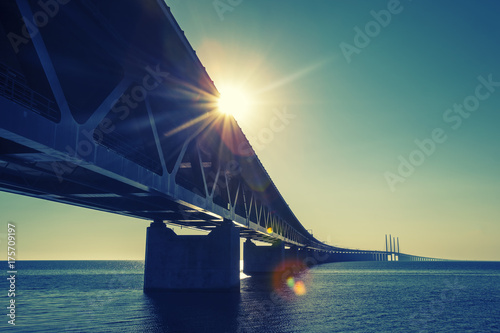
x=105 y=105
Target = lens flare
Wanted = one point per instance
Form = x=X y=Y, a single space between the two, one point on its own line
x=290 y=282
x=289 y=279
x=299 y=288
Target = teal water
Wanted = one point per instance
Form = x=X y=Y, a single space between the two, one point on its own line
x=107 y=296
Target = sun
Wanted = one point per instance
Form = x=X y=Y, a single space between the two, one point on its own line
x=233 y=101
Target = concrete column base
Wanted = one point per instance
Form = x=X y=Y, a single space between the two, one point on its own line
x=197 y=263
x=292 y=253
x=258 y=260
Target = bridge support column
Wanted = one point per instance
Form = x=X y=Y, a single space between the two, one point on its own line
x=259 y=260
x=292 y=253
x=302 y=254
x=192 y=262
x=338 y=256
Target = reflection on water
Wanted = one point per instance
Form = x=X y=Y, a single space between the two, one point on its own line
x=339 y=297
x=264 y=301
x=214 y=312
x=258 y=305
x=266 y=305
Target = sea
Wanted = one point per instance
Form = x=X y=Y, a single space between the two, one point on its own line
x=107 y=296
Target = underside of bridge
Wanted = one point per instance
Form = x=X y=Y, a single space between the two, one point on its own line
x=105 y=105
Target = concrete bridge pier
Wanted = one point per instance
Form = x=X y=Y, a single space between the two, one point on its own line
x=200 y=263
x=303 y=254
x=258 y=260
x=338 y=256
x=309 y=257
x=403 y=257
x=361 y=257
x=292 y=253
x=333 y=257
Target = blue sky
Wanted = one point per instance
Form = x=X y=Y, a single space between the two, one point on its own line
x=351 y=122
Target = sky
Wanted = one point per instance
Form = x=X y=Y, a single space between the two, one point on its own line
x=371 y=117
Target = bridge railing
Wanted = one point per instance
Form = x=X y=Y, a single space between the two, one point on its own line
x=13 y=85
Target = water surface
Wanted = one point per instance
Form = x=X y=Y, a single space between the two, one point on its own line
x=107 y=296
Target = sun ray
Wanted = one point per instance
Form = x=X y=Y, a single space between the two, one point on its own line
x=188 y=124
x=294 y=76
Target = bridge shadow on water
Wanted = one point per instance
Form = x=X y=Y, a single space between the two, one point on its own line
x=194 y=311
x=257 y=305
